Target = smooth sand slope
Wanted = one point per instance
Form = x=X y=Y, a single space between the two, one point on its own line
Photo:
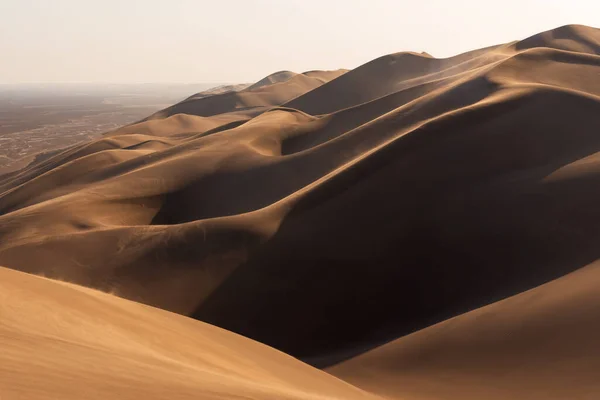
x=541 y=344
x=61 y=341
x=326 y=213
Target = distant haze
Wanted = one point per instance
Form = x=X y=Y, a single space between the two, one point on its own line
x=133 y=41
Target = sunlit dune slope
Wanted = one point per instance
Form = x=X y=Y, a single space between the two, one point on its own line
x=541 y=344
x=61 y=341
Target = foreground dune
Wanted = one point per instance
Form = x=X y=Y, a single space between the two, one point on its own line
x=61 y=341
x=327 y=213
x=541 y=344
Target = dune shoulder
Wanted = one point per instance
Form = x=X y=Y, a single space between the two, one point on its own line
x=62 y=341
x=540 y=344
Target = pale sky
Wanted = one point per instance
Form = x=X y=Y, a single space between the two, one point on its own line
x=134 y=41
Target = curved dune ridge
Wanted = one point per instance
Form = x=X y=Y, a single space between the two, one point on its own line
x=329 y=212
x=541 y=344
x=62 y=341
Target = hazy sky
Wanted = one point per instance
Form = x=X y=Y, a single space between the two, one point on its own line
x=243 y=40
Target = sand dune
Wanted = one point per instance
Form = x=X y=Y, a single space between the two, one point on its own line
x=271 y=91
x=61 y=341
x=219 y=90
x=541 y=344
x=277 y=77
x=326 y=213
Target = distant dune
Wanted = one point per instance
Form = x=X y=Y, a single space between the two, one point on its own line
x=277 y=77
x=271 y=91
x=221 y=89
x=330 y=212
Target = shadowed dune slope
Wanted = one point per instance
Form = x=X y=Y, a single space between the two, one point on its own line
x=541 y=344
x=61 y=341
x=331 y=212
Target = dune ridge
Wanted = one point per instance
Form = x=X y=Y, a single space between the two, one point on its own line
x=329 y=212
x=530 y=346
x=62 y=341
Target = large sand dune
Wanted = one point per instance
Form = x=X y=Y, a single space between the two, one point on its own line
x=61 y=341
x=541 y=344
x=326 y=213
